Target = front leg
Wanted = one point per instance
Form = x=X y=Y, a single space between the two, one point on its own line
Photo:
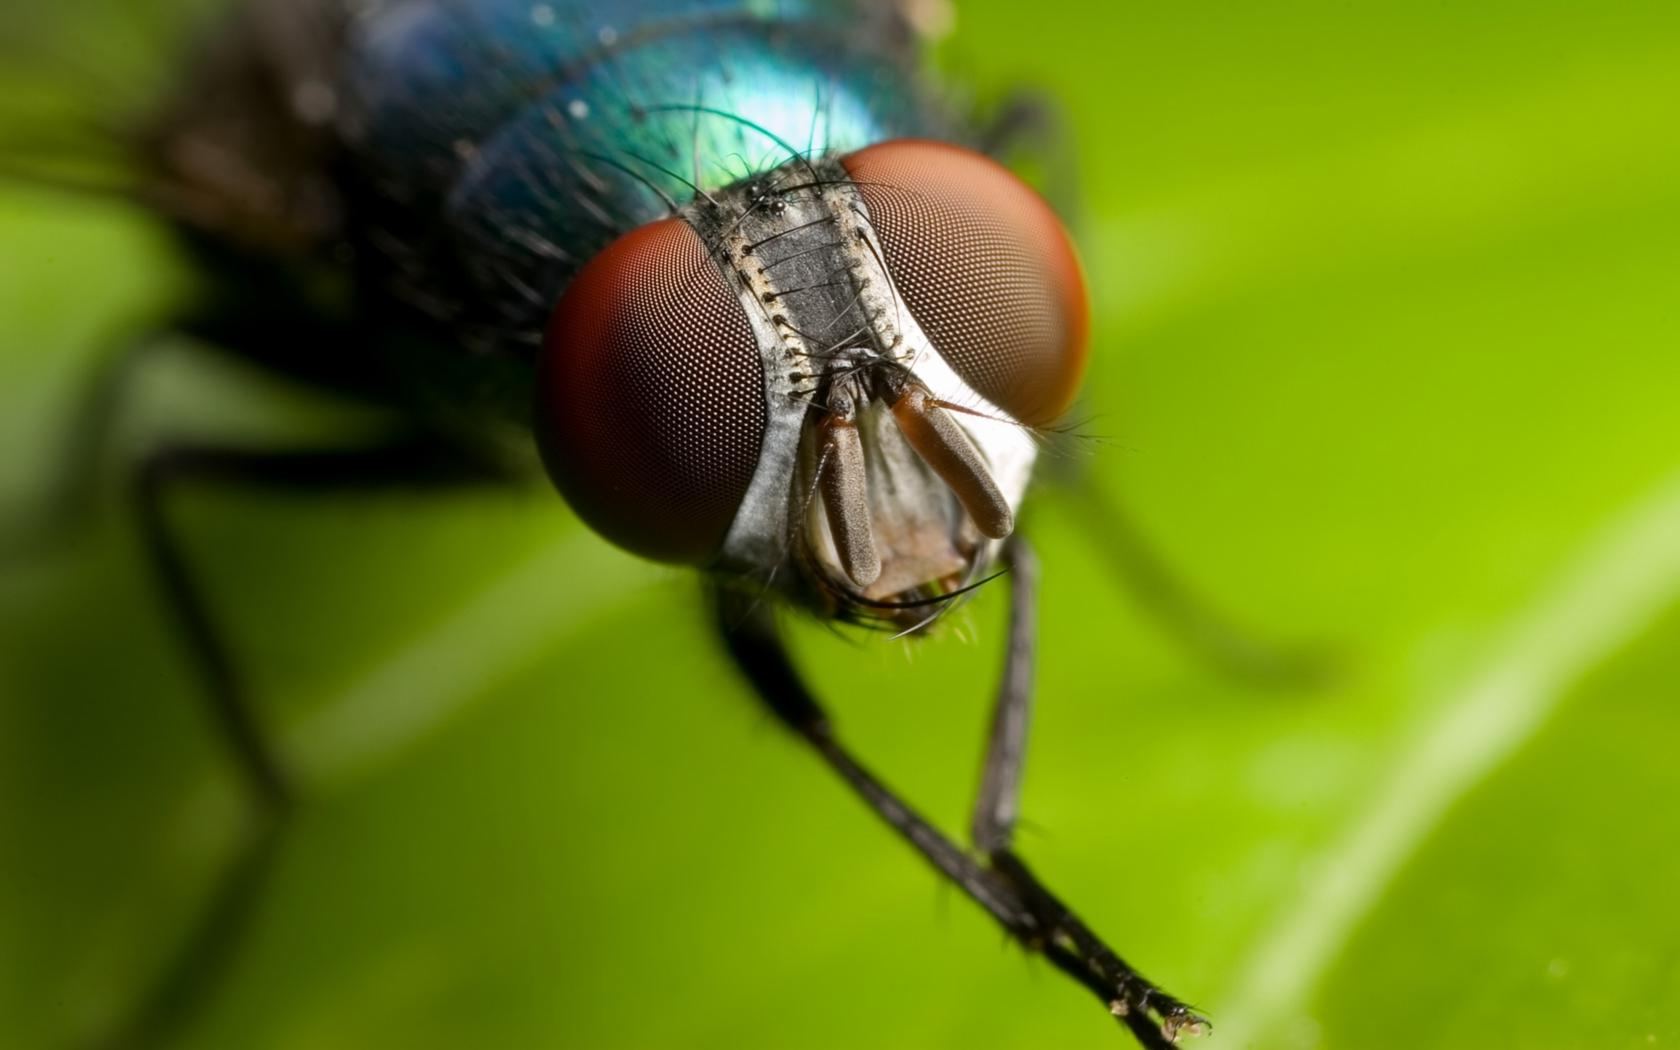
x=1003 y=886
x=754 y=644
x=1155 y=1017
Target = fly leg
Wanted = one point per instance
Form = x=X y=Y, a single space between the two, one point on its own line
x=1196 y=624
x=275 y=329
x=67 y=506
x=402 y=460
x=1006 y=890
x=1027 y=132
x=1156 y=1018
x=755 y=646
x=70 y=504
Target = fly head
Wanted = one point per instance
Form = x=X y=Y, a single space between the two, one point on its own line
x=825 y=378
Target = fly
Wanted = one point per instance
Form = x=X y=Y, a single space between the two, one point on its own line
x=757 y=300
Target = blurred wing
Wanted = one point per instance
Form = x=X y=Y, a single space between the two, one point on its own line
x=220 y=113
x=242 y=144
x=928 y=20
x=902 y=28
x=76 y=76
x=209 y=111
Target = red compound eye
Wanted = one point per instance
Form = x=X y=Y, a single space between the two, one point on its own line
x=986 y=268
x=650 y=398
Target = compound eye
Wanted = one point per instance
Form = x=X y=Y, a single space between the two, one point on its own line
x=650 y=396
x=985 y=267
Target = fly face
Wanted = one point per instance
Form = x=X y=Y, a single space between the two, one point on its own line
x=824 y=378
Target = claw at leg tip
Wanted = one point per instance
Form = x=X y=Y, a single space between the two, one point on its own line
x=1188 y=1024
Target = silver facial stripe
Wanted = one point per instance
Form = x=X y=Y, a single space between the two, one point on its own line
x=798 y=247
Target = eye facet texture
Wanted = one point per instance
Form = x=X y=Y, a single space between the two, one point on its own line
x=985 y=267
x=650 y=399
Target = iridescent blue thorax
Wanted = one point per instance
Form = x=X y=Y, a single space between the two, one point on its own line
x=502 y=144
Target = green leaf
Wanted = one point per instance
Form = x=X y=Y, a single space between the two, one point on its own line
x=1386 y=359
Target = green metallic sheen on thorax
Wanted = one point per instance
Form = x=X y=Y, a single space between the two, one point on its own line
x=502 y=145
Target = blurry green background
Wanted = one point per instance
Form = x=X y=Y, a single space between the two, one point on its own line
x=1388 y=354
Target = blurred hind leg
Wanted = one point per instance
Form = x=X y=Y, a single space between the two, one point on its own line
x=1027 y=131
x=400 y=460
x=68 y=504
x=1186 y=615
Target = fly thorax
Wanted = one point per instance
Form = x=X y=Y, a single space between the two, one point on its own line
x=883 y=475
